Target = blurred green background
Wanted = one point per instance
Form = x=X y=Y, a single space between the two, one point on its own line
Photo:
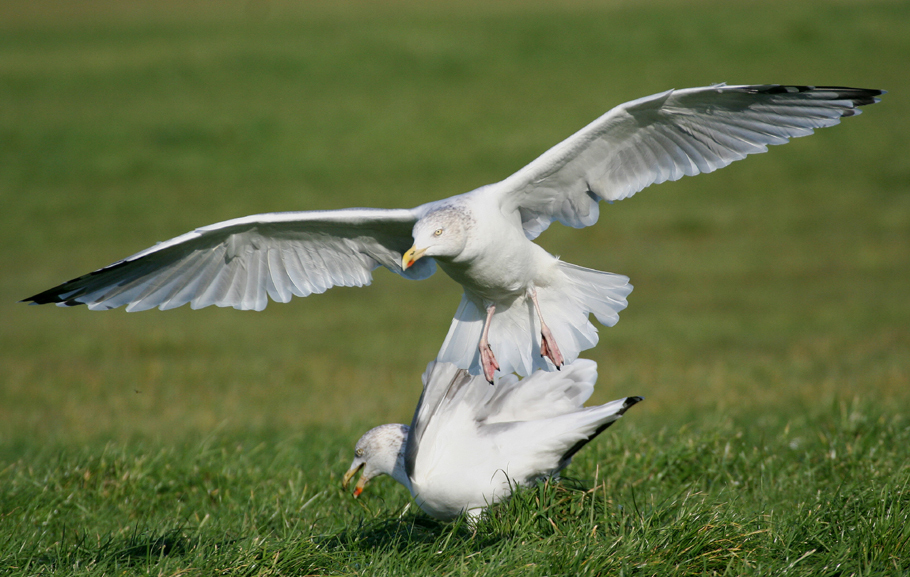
x=774 y=288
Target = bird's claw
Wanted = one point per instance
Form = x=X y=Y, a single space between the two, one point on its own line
x=549 y=349
x=488 y=361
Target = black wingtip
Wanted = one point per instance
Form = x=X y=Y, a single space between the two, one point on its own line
x=857 y=96
x=57 y=296
x=37 y=300
x=66 y=294
x=630 y=402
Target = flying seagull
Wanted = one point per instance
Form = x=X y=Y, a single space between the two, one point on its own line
x=470 y=444
x=483 y=238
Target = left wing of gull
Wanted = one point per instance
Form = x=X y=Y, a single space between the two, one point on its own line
x=242 y=262
x=664 y=137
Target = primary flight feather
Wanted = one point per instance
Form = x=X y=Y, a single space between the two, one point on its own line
x=513 y=289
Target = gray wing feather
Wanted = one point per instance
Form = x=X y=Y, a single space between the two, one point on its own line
x=243 y=262
x=664 y=137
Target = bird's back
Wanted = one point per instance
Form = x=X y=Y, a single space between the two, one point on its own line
x=481 y=440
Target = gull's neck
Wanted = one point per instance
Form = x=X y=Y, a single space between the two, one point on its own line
x=393 y=440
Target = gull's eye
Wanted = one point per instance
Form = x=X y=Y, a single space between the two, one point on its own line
x=359 y=452
x=438 y=232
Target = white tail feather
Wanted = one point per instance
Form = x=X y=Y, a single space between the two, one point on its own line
x=515 y=329
x=549 y=444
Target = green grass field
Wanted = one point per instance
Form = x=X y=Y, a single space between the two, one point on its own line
x=769 y=329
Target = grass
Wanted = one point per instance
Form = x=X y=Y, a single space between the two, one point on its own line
x=827 y=496
x=768 y=329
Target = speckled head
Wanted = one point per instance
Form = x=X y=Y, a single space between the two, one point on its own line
x=380 y=451
x=441 y=234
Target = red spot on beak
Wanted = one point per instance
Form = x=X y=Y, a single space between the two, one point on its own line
x=411 y=256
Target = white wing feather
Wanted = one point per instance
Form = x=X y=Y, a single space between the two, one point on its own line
x=243 y=262
x=539 y=422
x=451 y=393
x=664 y=137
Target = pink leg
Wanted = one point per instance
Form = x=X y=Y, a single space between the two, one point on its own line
x=548 y=346
x=487 y=360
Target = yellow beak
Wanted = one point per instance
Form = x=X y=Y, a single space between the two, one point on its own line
x=412 y=256
x=358 y=488
x=346 y=480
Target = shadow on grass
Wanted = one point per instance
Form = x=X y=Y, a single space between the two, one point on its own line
x=172 y=551
x=399 y=534
x=538 y=509
x=75 y=549
x=143 y=546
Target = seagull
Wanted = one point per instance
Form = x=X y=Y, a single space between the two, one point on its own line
x=519 y=300
x=469 y=445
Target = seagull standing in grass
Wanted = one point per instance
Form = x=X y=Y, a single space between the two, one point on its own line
x=519 y=300
x=470 y=444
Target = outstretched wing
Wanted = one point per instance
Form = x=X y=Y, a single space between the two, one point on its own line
x=664 y=137
x=242 y=262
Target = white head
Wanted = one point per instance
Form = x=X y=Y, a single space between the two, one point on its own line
x=380 y=451
x=443 y=234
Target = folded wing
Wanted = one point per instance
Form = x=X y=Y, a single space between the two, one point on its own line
x=243 y=262
x=664 y=137
x=452 y=398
